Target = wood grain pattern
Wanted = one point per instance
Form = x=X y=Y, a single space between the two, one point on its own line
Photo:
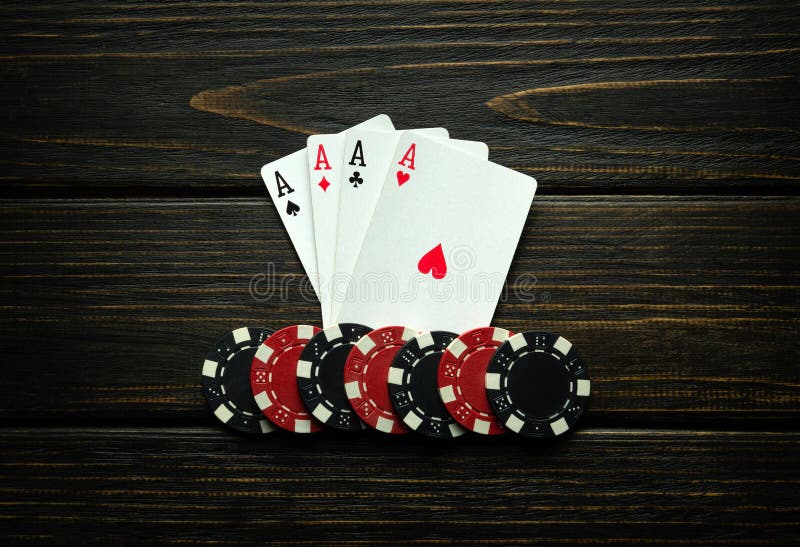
x=651 y=105
x=134 y=230
x=103 y=98
x=203 y=486
x=684 y=308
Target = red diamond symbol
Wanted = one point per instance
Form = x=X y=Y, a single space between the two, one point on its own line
x=324 y=184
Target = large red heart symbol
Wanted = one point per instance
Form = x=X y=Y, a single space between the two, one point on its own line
x=402 y=178
x=433 y=262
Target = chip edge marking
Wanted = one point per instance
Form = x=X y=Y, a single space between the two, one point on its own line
x=263 y=400
x=559 y=426
x=304 y=369
x=517 y=341
x=514 y=423
x=457 y=347
x=305 y=332
x=223 y=413
x=425 y=340
x=241 y=335
x=333 y=332
x=447 y=394
x=261 y=351
x=396 y=376
x=210 y=368
x=562 y=345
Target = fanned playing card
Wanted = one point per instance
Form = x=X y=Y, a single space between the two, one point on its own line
x=367 y=155
x=325 y=168
x=287 y=183
x=440 y=242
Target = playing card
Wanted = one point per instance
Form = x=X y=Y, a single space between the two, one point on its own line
x=325 y=168
x=440 y=242
x=287 y=183
x=478 y=149
x=367 y=155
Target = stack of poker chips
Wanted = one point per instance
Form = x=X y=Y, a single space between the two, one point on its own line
x=349 y=377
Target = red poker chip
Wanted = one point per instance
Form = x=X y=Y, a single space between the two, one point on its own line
x=273 y=379
x=366 y=377
x=461 y=379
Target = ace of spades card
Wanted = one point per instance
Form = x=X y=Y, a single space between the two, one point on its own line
x=287 y=182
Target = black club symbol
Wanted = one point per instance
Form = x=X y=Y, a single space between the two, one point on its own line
x=356 y=179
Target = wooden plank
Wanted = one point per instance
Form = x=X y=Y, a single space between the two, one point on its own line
x=676 y=97
x=202 y=485
x=685 y=309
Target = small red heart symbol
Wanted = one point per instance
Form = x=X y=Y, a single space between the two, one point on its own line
x=402 y=178
x=433 y=262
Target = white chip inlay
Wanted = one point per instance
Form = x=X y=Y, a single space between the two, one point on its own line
x=333 y=332
x=210 y=368
x=412 y=420
x=500 y=335
x=305 y=332
x=351 y=388
x=266 y=426
x=584 y=387
x=456 y=347
x=408 y=334
x=365 y=344
x=492 y=380
x=447 y=394
x=241 y=335
x=456 y=430
x=322 y=414
x=481 y=426
x=304 y=369
x=263 y=401
x=384 y=424
x=302 y=426
x=559 y=426
x=517 y=341
x=514 y=423
x=223 y=413
x=562 y=345
x=263 y=353
x=396 y=376
x=424 y=340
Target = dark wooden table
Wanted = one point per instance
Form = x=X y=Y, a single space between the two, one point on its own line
x=663 y=241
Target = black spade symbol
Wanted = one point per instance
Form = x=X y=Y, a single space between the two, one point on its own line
x=292 y=208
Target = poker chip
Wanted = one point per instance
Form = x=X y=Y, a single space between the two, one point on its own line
x=413 y=389
x=537 y=384
x=461 y=379
x=320 y=375
x=366 y=376
x=273 y=380
x=226 y=380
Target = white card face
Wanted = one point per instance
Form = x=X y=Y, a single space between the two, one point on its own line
x=325 y=168
x=440 y=242
x=474 y=148
x=367 y=155
x=287 y=184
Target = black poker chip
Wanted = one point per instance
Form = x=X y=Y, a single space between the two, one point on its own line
x=226 y=381
x=320 y=375
x=537 y=384
x=413 y=387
